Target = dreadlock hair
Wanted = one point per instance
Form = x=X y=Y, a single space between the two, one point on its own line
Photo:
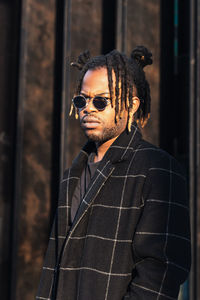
x=129 y=72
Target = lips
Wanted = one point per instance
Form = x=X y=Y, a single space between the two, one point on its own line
x=89 y=122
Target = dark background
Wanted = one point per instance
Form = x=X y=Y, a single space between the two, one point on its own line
x=38 y=40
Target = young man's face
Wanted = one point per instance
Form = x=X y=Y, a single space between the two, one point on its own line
x=99 y=126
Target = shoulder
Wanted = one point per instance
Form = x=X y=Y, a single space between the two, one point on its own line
x=152 y=158
x=165 y=176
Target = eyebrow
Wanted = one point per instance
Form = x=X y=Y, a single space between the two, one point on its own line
x=98 y=94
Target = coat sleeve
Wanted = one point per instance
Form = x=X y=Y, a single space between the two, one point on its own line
x=161 y=246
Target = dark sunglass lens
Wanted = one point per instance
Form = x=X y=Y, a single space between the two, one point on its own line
x=79 y=101
x=100 y=103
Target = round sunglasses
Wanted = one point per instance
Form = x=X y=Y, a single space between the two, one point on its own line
x=99 y=102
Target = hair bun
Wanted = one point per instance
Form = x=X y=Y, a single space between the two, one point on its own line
x=142 y=56
x=82 y=60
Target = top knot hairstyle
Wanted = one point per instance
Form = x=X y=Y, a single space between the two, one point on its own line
x=129 y=72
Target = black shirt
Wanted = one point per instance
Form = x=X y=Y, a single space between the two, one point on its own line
x=86 y=176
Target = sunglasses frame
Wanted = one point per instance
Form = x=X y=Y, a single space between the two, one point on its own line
x=87 y=99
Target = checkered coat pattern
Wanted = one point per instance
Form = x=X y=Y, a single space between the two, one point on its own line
x=130 y=237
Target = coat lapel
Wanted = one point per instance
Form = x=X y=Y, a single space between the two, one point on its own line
x=94 y=187
x=76 y=170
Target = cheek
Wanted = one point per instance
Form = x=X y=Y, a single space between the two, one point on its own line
x=110 y=115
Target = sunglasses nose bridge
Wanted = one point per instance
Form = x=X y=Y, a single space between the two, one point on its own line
x=89 y=105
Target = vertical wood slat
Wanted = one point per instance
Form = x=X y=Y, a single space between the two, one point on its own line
x=194 y=140
x=9 y=19
x=33 y=155
x=65 y=84
x=121 y=36
x=108 y=24
x=198 y=138
x=192 y=159
x=61 y=95
x=132 y=30
x=18 y=159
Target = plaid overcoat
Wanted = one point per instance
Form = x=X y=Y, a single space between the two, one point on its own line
x=130 y=237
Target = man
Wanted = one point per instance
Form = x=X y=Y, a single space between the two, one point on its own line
x=121 y=230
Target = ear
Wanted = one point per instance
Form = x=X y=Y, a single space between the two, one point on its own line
x=136 y=104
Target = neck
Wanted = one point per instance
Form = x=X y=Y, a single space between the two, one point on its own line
x=102 y=148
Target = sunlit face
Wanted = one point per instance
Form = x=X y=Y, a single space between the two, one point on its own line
x=99 y=126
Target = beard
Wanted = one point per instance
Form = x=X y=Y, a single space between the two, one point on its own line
x=107 y=133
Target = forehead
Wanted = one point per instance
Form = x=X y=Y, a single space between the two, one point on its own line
x=95 y=81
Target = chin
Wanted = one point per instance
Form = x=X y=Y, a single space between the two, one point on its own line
x=92 y=135
x=94 y=138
